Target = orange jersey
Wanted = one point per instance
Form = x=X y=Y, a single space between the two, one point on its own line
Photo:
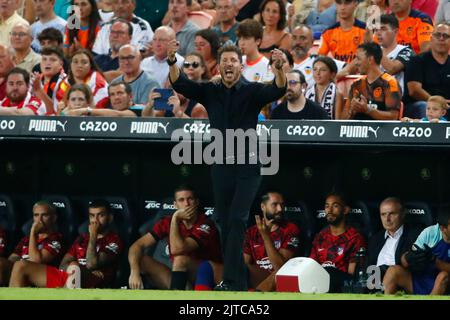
x=382 y=94
x=82 y=36
x=342 y=44
x=415 y=30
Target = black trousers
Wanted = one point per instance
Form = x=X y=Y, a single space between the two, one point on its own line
x=235 y=187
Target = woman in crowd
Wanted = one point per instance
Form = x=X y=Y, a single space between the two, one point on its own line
x=207 y=43
x=79 y=97
x=83 y=69
x=325 y=91
x=273 y=17
x=84 y=36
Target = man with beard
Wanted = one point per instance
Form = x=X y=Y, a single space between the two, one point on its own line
x=233 y=103
x=376 y=96
x=19 y=101
x=335 y=247
x=302 y=42
x=269 y=243
x=92 y=258
x=296 y=105
x=43 y=245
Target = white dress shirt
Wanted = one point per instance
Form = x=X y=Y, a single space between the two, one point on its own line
x=387 y=253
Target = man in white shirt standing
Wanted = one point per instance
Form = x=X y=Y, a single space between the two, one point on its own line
x=47 y=18
x=255 y=64
x=388 y=245
x=142 y=31
x=395 y=56
x=157 y=64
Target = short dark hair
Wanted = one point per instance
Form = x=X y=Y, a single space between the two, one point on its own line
x=329 y=62
x=266 y=196
x=54 y=50
x=282 y=22
x=443 y=217
x=300 y=75
x=130 y=26
x=184 y=187
x=128 y=88
x=51 y=34
x=24 y=73
x=288 y=55
x=44 y=203
x=372 y=49
x=212 y=38
x=250 y=28
x=100 y=203
x=340 y=195
x=229 y=48
x=389 y=19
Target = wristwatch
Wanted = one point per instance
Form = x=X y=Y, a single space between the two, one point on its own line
x=89 y=111
x=171 y=62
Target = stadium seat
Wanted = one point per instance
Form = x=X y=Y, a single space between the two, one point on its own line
x=8 y=221
x=154 y=210
x=419 y=214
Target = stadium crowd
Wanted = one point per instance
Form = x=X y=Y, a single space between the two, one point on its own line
x=343 y=59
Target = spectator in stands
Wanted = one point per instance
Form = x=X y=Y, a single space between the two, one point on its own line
x=207 y=44
x=8 y=19
x=43 y=244
x=120 y=35
x=184 y=28
x=302 y=42
x=319 y=17
x=395 y=56
x=44 y=10
x=78 y=98
x=83 y=69
x=387 y=246
x=424 y=268
x=6 y=65
x=428 y=7
x=325 y=92
x=195 y=68
x=296 y=106
x=19 y=100
x=376 y=96
x=335 y=247
x=140 y=81
x=429 y=74
x=273 y=18
x=21 y=38
x=227 y=11
x=84 y=36
x=269 y=243
x=343 y=38
x=2 y=243
x=288 y=65
x=51 y=38
x=443 y=12
x=105 y=9
x=192 y=238
x=93 y=256
x=415 y=27
x=254 y=63
x=436 y=110
x=51 y=85
x=142 y=31
x=157 y=64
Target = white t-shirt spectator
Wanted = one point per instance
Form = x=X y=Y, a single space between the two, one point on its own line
x=306 y=67
x=142 y=35
x=404 y=55
x=159 y=69
x=256 y=70
x=37 y=27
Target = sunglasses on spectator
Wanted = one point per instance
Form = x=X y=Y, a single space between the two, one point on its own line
x=194 y=65
x=293 y=82
x=439 y=35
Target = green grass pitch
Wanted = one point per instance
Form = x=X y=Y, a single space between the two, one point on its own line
x=106 y=294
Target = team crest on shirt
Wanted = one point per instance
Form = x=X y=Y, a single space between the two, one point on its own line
x=55 y=245
x=308 y=70
x=113 y=247
x=294 y=242
x=377 y=92
x=256 y=77
x=356 y=40
x=204 y=228
x=277 y=244
x=340 y=251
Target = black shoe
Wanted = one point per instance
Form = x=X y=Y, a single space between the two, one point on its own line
x=223 y=286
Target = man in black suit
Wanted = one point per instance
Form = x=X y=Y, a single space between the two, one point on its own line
x=387 y=246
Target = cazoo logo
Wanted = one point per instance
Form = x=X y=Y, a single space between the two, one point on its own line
x=98 y=126
x=7 y=125
x=305 y=130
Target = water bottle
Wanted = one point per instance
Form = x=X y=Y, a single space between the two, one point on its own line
x=360 y=272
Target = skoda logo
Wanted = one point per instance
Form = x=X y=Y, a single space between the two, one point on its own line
x=425 y=174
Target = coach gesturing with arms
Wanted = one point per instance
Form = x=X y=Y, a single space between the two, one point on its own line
x=233 y=103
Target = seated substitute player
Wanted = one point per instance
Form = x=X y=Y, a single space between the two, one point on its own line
x=335 y=247
x=425 y=268
x=192 y=238
x=43 y=245
x=269 y=243
x=93 y=255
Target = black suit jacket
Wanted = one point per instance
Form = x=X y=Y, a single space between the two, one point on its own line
x=377 y=241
